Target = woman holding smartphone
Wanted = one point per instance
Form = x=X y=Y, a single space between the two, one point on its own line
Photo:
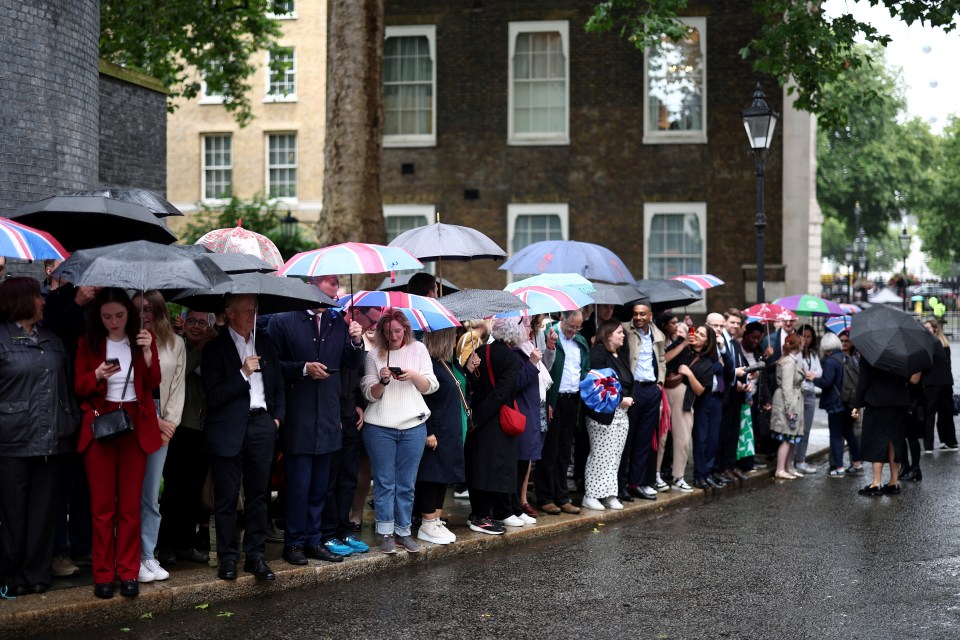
x=117 y=368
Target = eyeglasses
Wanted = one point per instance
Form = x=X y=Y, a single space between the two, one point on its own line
x=193 y=322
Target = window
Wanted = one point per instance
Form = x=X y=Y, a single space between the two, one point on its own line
x=217 y=167
x=409 y=87
x=283 y=9
x=675 y=91
x=674 y=235
x=529 y=223
x=206 y=97
x=399 y=218
x=282 y=165
x=282 y=85
x=539 y=97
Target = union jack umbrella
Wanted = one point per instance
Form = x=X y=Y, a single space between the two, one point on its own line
x=424 y=314
x=699 y=282
x=240 y=240
x=768 y=312
x=26 y=243
x=350 y=258
x=836 y=324
x=549 y=300
x=850 y=308
x=600 y=390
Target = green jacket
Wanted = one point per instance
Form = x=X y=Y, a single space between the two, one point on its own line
x=554 y=361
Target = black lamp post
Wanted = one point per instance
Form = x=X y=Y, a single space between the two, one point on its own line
x=904 y=239
x=288 y=225
x=848 y=259
x=760 y=121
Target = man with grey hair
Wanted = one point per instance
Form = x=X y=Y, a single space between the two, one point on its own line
x=568 y=359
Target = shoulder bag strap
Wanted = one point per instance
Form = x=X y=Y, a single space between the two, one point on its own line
x=463 y=398
x=123 y=393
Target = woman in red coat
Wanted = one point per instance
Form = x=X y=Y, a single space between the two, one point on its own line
x=115 y=470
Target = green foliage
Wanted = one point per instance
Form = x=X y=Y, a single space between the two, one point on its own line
x=258 y=215
x=797 y=44
x=939 y=224
x=171 y=39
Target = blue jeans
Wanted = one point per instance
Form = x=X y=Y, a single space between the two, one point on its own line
x=394 y=460
x=150 y=503
x=706 y=433
x=841 y=428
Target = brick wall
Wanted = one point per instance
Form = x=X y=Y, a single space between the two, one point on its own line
x=49 y=106
x=606 y=173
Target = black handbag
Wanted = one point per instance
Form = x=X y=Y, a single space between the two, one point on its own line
x=109 y=426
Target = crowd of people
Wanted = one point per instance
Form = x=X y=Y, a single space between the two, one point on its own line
x=282 y=422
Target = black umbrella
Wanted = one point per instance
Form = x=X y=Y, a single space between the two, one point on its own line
x=274 y=294
x=668 y=293
x=892 y=340
x=400 y=282
x=615 y=294
x=140 y=265
x=83 y=222
x=232 y=262
x=473 y=304
x=157 y=204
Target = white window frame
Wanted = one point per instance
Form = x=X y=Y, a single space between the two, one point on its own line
x=292 y=15
x=419 y=140
x=514 y=211
x=203 y=167
x=656 y=208
x=290 y=97
x=208 y=98
x=267 y=166
x=428 y=211
x=652 y=135
x=538 y=139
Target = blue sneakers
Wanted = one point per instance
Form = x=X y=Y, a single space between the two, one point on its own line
x=337 y=546
x=357 y=545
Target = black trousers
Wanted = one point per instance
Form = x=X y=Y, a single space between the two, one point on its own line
x=551 y=474
x=28 y=509
x=344 y=469
x=939 y=401
x=729 y=435
x=637 y=466
x=491 y=504
x=428 y=497
x=251 y=467
x=184 y=474
x=74 y=524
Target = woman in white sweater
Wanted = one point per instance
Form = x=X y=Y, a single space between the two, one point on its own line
x=172 y=354
x=397 y=374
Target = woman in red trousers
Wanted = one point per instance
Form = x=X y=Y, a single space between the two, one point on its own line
x=115 y=470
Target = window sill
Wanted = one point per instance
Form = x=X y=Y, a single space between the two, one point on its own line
x=698 y=137
x=287 y=98
x=539 y=141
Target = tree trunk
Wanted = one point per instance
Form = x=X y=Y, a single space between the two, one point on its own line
x=352 y=206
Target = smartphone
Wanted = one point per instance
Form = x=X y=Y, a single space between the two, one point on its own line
x=395 y=370
x=112 y=362
x=332 y=370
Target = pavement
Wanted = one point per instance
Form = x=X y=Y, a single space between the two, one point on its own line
x=71 y=605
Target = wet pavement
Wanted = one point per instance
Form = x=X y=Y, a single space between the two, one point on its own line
x=798 y=559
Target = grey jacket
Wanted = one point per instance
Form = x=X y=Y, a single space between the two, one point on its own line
x=38 y=410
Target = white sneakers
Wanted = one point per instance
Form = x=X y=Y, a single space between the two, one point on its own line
x=613 y=503
x=151 y=570
x=527 y=519
x=435 y=532
x=593 y=503
x=511 y=521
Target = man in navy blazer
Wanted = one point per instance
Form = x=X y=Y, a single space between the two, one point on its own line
x=245 y=407
x=313 y=347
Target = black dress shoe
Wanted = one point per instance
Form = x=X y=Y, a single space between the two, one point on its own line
x=635 y=492
x=716 y=486
x=193 y=555
x=21 y=590
x=625 y=497
x=103 y=590
x=167 y=556
x=227 y=570
x=722 y=480
x=129 y=588
x=294 y=555
x=891 y=489
x=917 y=476
x=871 y=492
x=259 y=568
x=39 y=588
x=354 y=527
x=700 y=483
x=320 y=552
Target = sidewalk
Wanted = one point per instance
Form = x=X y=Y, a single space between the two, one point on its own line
x=70 y=604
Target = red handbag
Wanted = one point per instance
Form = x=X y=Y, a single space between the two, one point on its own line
x=512 y=421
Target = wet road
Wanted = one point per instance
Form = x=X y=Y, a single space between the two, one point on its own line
x=803 y=559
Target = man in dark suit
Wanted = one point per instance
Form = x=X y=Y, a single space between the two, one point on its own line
x=734 y=395
x=313 y=348
x=243 y=385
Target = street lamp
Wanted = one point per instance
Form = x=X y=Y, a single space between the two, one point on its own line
x=759 y=121
x=904 y=239
x=288 y=225
x=848 y=260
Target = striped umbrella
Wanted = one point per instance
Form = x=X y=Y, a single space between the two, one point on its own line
x=837 y=324
x=26 y=243
x=424 y=314
x=769 y=312
x=699 y=282
x=850 y=308
x=350 y=258
x=549 y=300
x=564 y=280
x=807 y=305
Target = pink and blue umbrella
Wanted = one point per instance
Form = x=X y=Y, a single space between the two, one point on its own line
x=836 y=324
x=424 y=314
x=26 y=243
x=699 y=282
x=350 y=258
x=569 y=256
x=850 y=308
x=549 y=300
x=807 y=305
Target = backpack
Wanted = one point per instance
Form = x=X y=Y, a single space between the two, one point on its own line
x=851 y=376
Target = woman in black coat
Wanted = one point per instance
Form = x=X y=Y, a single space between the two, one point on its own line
x=885 y=402
x=938 y=390
x=490 y=454
x=442 y=461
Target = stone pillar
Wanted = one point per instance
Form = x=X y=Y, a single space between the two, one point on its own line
x=49 y=98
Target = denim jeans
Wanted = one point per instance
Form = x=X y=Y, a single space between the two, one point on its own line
x=841 y=428
x=150 y=503
x=809 y=407
x=394 y=460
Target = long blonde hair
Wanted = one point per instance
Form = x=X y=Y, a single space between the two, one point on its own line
x=938 y=332
x=161 y=318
